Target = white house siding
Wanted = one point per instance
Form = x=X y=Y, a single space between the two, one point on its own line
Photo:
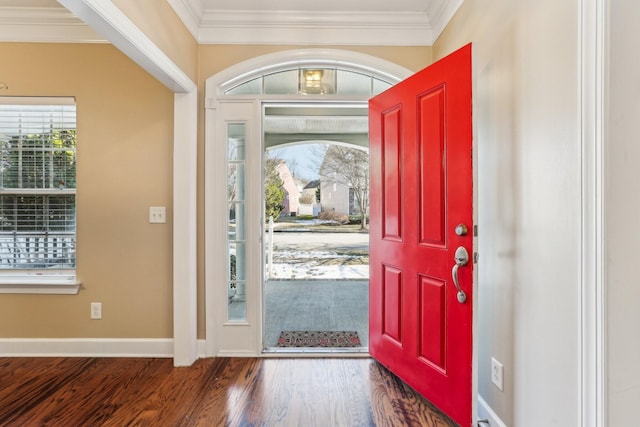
x=334 y=197
x=291 y=201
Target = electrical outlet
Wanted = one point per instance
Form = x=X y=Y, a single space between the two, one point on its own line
x=497 y=373
x=157 y=215
x=96 y=310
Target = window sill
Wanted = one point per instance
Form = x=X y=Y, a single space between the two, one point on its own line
x=61 y=284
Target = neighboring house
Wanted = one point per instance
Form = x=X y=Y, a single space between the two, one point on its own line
x=291 y=201
x=336 y=194
x=555 y=109
x=309 y=204
x=338 y=197
x=310 y=190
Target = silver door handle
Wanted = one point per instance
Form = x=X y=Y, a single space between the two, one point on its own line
x=462 y=258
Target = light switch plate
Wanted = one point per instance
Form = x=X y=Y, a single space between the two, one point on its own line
x=497 y=374
x=96 y=310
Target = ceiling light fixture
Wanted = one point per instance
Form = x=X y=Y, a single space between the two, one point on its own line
x=316 y=81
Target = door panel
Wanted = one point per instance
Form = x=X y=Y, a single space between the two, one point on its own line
x=430 y=153
x=432 y=312
x=392 y=184
x=392 y=327
x=421 y=189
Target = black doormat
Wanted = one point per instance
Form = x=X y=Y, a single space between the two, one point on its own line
x=319 y=339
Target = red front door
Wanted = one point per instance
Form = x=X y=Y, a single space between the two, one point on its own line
x=421 y=325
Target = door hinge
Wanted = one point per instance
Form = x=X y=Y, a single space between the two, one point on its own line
x=475 y=257
x=475 y=231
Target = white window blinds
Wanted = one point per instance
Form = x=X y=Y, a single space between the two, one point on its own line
x=37 y=183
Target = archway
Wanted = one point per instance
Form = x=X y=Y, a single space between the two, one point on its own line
x=236 y=100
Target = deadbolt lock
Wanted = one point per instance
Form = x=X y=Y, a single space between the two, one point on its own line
x=461 y=230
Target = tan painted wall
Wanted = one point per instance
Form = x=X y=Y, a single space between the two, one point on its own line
x=526 y=70
x=161 y=24
x=215 y=58
x=125 y=140
x=125 y=123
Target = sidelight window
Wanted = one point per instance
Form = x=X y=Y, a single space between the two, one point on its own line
x=236 y=229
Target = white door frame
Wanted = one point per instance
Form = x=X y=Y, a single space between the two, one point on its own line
x=593 y=107
x=245 y=338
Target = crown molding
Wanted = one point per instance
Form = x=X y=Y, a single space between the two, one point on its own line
x=48 y=25
x=440 y=13
x=58 y=25
x=190 y=13
x=317 y=28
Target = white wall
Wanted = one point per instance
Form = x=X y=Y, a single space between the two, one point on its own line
x=529 y=203
x=622 y=210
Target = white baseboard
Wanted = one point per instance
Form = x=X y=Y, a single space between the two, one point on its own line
x=201 y=349
x=236 y=353
x=90 y=347
x=486 y=413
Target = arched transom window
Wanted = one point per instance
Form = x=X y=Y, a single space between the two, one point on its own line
x=310 y=81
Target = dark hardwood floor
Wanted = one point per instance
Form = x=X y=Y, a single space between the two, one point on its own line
x=213 y=392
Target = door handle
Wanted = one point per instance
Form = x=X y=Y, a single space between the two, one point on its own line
x=462 y=258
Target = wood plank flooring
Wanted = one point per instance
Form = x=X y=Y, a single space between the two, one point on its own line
x=298 y=392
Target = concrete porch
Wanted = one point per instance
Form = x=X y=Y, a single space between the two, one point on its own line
x=312 y=304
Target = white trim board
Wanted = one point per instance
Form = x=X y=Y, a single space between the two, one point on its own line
x=485 y=412
x=185 y=254
x=90 y=347
x=593 y=107
x=108 y=20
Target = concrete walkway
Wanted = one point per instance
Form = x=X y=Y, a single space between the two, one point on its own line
x=316 y=305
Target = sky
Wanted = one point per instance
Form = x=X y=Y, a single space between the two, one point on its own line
x=303 y=160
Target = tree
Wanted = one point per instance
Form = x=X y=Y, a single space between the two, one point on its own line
x=307 y=198
x=350 y=166
x=273 y=191
x=42 y=224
